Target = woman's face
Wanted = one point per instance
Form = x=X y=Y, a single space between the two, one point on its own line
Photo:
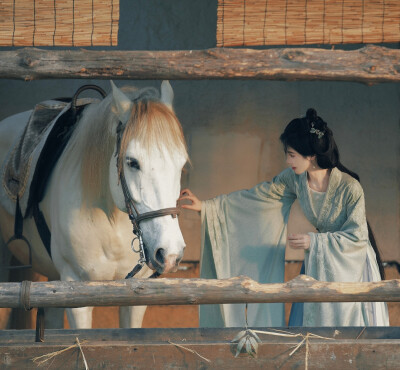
x=297 y=162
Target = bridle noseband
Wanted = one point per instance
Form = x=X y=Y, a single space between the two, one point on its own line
x=134 y=215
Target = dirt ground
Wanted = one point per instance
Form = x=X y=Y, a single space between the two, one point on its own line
x=165 y=316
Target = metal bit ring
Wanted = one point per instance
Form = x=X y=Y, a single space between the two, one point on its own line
x=132 y=244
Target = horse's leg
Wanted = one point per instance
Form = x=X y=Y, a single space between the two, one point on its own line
x=80 y=317
x=54 y=318
x=5 y=260
x=131 y=316
x=6 y=231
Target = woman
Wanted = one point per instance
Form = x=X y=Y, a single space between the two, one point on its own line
x=244 y=233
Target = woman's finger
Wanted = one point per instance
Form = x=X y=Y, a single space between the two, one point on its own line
x=193 y=206
x=188 y=206
x=298 y=245
x=296 y=236
x=296 y=240
x=186 y=191
x=299 y=241
x=186 y=197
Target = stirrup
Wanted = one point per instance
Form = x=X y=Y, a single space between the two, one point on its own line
x=19 y=267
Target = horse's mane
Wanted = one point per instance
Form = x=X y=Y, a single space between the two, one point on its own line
x=151 y=122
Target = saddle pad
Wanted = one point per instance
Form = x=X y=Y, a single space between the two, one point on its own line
x=20 y=163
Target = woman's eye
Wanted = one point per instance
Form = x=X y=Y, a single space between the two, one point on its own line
x=133 y=163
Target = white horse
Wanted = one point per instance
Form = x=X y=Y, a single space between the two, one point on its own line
x=84 y=205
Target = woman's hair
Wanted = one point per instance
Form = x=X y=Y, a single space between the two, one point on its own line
x=309 y=136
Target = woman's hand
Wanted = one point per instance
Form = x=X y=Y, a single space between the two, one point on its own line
x=195 y=204
x=299 y=241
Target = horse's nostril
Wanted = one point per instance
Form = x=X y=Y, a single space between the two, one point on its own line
x=159 y=256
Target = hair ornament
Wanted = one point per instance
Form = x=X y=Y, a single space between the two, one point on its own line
x=315 y=131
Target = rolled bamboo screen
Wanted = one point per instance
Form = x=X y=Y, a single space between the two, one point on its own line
x=299 y=22
x=59 y=22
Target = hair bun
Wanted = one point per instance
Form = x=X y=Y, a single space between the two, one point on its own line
x=311 y=115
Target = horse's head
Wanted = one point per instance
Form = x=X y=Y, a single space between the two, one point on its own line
x=150 y=152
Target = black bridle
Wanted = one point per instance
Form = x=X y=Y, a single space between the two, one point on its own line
x=134 y=215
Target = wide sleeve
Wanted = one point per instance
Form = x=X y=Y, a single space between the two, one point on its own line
x=341 y=255
x=244 y=233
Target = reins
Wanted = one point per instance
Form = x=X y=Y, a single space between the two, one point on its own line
x=135 y=216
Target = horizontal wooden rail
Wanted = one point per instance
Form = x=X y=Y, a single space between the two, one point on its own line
x=370 y=64
x=191 y=291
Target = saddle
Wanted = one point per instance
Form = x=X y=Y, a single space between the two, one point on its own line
x=19 y=168
x=29 y=163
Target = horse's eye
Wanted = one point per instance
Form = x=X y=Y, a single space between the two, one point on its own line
x=133 y=163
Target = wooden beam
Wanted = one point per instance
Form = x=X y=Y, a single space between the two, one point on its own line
x=191 y=291
x=370 y=64
x=201 y=348
x=198 y=335
x=331 y=355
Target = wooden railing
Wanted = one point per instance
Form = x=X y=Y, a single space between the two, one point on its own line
x=191 y=291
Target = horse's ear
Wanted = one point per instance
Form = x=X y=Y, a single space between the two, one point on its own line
x=121 y=104
x=167 y=94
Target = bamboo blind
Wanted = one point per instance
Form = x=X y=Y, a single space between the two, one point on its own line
x=59 y=22
x=299 y=22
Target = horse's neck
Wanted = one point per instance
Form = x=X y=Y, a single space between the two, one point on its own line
x=93 y=182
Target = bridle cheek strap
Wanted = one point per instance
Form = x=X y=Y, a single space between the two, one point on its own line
x=134 y=214
x=136 y=218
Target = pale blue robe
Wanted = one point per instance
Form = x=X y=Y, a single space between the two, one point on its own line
x=244 y=233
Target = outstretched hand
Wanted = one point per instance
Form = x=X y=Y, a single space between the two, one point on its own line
x=195 y=203
x=299 y=241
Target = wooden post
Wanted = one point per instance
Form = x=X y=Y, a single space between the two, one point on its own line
x=370 y=64
x=194 y=291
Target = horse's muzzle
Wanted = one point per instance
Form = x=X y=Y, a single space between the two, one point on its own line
x=165 y=264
